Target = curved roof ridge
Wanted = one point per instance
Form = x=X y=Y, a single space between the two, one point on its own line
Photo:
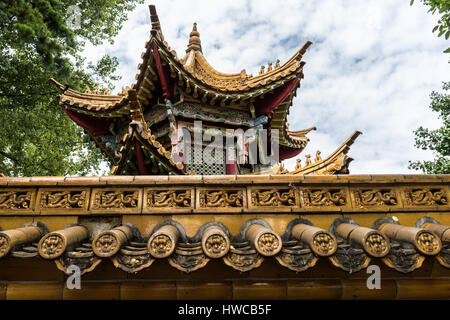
x=69 y=92
x=300 y=133
x=200 y=59
x=296 y=57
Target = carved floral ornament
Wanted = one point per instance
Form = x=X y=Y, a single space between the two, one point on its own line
x=428 y=243
x=106 y=244
x=52 y=246
x=161 y=246
x=216 y=245
x=4 y=245
x=376 y=244
x=324 y=244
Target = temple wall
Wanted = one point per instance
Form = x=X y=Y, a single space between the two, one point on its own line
x=288 y=198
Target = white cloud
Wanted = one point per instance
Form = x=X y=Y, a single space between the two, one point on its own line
x=371 y=68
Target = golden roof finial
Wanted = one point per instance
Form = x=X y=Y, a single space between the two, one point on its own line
x=269 y=67
x=277 y=63
x=194 y=40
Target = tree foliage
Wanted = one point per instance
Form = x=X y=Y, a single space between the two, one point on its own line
x=442 y=7
x=436 y=140
x=39 y=40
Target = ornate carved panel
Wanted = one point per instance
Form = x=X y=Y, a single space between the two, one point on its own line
x=188 y=257
x=243 y=258
x=375 y=197
x=273 y=197
x=62 y=199
x=349 y=258
x=324 y=197
x=120 y=200
x=296 y=257
x=16 y=200
x=426 y=196
x=133 y=258
x=224 y=198
x=83 y=257
x=168 y=199
x=402 y=259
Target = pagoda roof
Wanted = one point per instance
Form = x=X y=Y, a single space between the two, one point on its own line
x=270 y=93
x=93 y=103
x=193 y=72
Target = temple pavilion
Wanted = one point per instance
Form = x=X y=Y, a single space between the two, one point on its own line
x=164 y=227
x=137 y=128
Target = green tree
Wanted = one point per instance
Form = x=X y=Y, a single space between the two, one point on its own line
x=40 y=39
x=442 y=7
x=436 y=140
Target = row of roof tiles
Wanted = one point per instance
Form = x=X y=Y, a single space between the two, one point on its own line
x=346 y=244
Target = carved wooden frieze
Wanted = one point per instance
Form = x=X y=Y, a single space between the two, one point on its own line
x=324 y=197
x=120 y=200
x=426 y=196
x=168 y=199
x=403 y=259
x=229 y=198
x=375 y=197
x=350 y=259
x=188 y=257
x=61 y=199
x=133 y=258
x=274 y=197
x=16 y=200
x=243 y=258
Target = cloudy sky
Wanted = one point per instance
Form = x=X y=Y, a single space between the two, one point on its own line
x=372 y=65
